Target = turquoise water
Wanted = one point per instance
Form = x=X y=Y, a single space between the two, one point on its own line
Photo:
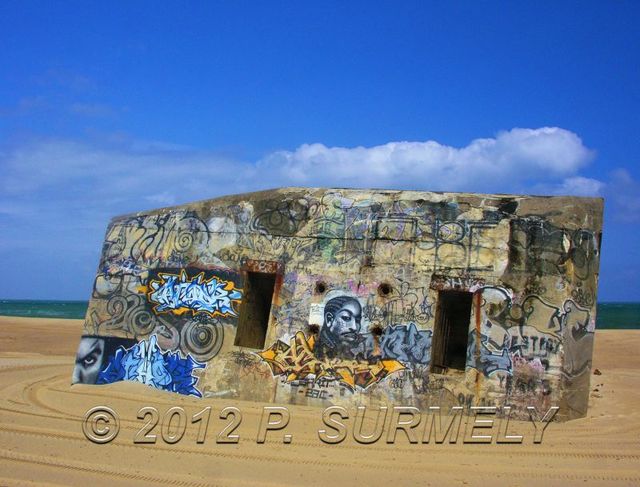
x=43 y=309
x=610 y=315
x=618 y=315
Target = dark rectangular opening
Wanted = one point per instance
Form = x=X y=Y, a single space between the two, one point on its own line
x=255 y=310
x=451 y=333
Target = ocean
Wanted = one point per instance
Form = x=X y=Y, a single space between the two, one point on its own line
x=609 y=316
x=43 y=309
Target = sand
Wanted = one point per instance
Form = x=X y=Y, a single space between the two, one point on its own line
x=42 y=443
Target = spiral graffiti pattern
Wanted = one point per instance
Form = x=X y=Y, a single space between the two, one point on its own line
x=202 y=340
x=139 y=319
x=184 y=240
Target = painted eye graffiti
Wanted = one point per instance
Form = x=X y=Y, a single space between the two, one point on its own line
x=89 y=360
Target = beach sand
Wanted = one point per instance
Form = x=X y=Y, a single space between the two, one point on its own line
x=42 y=443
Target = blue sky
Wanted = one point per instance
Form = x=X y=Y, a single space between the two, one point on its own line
x=112 y=108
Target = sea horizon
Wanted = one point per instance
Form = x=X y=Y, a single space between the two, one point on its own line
x=609 y=315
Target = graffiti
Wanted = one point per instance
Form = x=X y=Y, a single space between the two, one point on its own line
x=407 y=304
x=340 y=335
x=202 y=337
x=575 y=319
x=578 y=336
x=176 y=274
x=344 y=352
x=168 y=336
x=583 y=252
x=248 y=365
x=177 y=293
x=281 y=217
x=329 y=222
x=406 y=344
x=543 y=316
x=291 y=312
x=527 y=377
x=499 y=308
x=152 y=239
x=242 y=358
x=533 y=331
x=481 y=358
x=127 y=313
x=316 y=393
x=453 y=243
x=269 y=267
x=396 y=382
x=538 y=246
x=93 y=355
x=297 y=361
x=462 y=283
x=146 y=363
x=451 y=232
x=410 y=305
x=314 y=388
x=134 y=245
x=532 y=345
x=393 y=237
x=121 y=267
x=582 y=297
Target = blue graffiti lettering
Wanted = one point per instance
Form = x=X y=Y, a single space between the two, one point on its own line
x=179 y=294
x=145 y=362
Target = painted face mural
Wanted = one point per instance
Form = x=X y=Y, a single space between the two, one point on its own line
x=345 y=322
x=93 y=356
x=341 y=335
x=88 y=360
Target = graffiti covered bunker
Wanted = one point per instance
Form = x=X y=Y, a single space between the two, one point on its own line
x=352 y=297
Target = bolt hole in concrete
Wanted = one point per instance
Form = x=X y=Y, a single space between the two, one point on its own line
x=377 y=330
x=384 y=289
x=321 y=287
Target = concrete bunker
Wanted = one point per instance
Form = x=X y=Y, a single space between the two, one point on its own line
x=350 y=297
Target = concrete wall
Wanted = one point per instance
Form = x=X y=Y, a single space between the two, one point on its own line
x=175 y=280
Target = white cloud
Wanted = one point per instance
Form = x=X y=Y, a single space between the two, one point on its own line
x=511 y=161
x=573 y=186
x=124 y=171
x=60 y=194
x=581 y=186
